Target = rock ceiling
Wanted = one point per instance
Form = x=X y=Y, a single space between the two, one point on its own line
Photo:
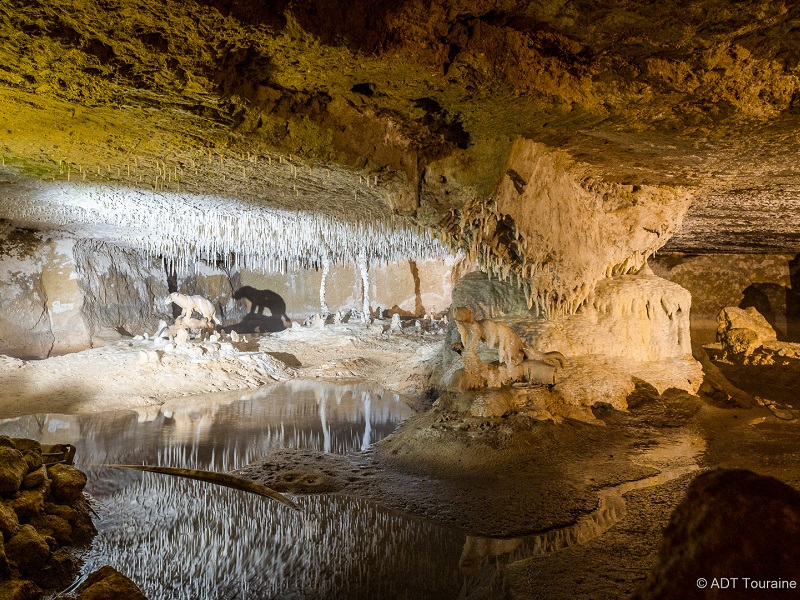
x=365 y=108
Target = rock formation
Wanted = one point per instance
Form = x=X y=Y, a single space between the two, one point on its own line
x=633 y=327
x=43 y=519
x=555 y=146
x=731 y=524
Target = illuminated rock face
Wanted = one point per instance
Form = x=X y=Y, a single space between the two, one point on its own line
x=60 y=295
x=633 y=326
x=40 y=300
x=558 y=146
x=558 y=231
x=633 y=317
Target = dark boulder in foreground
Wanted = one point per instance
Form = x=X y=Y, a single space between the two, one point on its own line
x=109 y=584
x=733 y=536
x=44 y=520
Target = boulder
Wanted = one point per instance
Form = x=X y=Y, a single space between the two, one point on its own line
x=28 y=550
x=13 y=469
x=19 y=589
x=29 y=503
x=109 y=584
x=67 y=482
x=60 y=570
x=69 y=514
x=35 y=478
x=742 y=331
x=9 y=523
x=732 y=523
x=25 y=444
x=54 y=526
x=33 y=459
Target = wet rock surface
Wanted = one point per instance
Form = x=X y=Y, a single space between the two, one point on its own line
x=108 y=584
x=732 y=523
x=44 y=518
x=474 y=463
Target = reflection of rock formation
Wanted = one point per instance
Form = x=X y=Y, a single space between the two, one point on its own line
x=238 y=428
x=674 y=457
x=338 y=547
x=476 y=549
x=242 y=546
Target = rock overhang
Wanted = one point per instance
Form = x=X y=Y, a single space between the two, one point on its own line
x=373 y=108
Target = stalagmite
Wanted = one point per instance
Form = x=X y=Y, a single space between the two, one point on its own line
x=322 y=302
x=364 y=268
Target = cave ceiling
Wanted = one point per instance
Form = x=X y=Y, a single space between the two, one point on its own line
x=368 y=108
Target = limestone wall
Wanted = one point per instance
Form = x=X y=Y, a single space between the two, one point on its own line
x=410 y=287
x=40 y=300
x=719 y=280
x=60 y=295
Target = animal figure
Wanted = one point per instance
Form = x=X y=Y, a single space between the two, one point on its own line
x=261 y=299
x=511 y=350
x=517 y=362
x=194 y=303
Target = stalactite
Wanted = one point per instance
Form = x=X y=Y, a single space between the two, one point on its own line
x=185 y=229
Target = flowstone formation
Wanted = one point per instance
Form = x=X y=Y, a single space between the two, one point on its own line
x=633 y=329
x=556 y=231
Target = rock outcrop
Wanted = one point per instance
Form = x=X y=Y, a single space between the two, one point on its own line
x=742 y=331
x=630 y=328
x=731 y=524
x=43 y=517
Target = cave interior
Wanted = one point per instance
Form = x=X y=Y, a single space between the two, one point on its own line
x=563 y=234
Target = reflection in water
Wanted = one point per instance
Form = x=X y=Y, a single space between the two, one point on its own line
x=674 y=458
x=181 y=539
x=185 y=539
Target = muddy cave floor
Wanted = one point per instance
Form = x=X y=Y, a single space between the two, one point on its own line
x=515 y=476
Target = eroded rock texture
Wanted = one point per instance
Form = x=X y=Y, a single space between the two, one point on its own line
x=559 y=143
x=732 y=523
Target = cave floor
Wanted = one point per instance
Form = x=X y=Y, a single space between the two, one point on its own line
x=550 y=510
x=538 y=500
x=139 y=373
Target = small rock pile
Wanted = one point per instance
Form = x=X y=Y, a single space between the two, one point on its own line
x=747 y=337
x=43 y=517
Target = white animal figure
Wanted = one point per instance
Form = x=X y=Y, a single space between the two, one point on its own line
x=194 y=303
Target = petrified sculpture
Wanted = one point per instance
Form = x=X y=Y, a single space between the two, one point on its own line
x=517 y=362
x=191 y=304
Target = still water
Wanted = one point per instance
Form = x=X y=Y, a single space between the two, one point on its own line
x=185 y=539
x=182 y=539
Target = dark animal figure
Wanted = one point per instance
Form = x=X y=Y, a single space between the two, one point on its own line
x=261 y=299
